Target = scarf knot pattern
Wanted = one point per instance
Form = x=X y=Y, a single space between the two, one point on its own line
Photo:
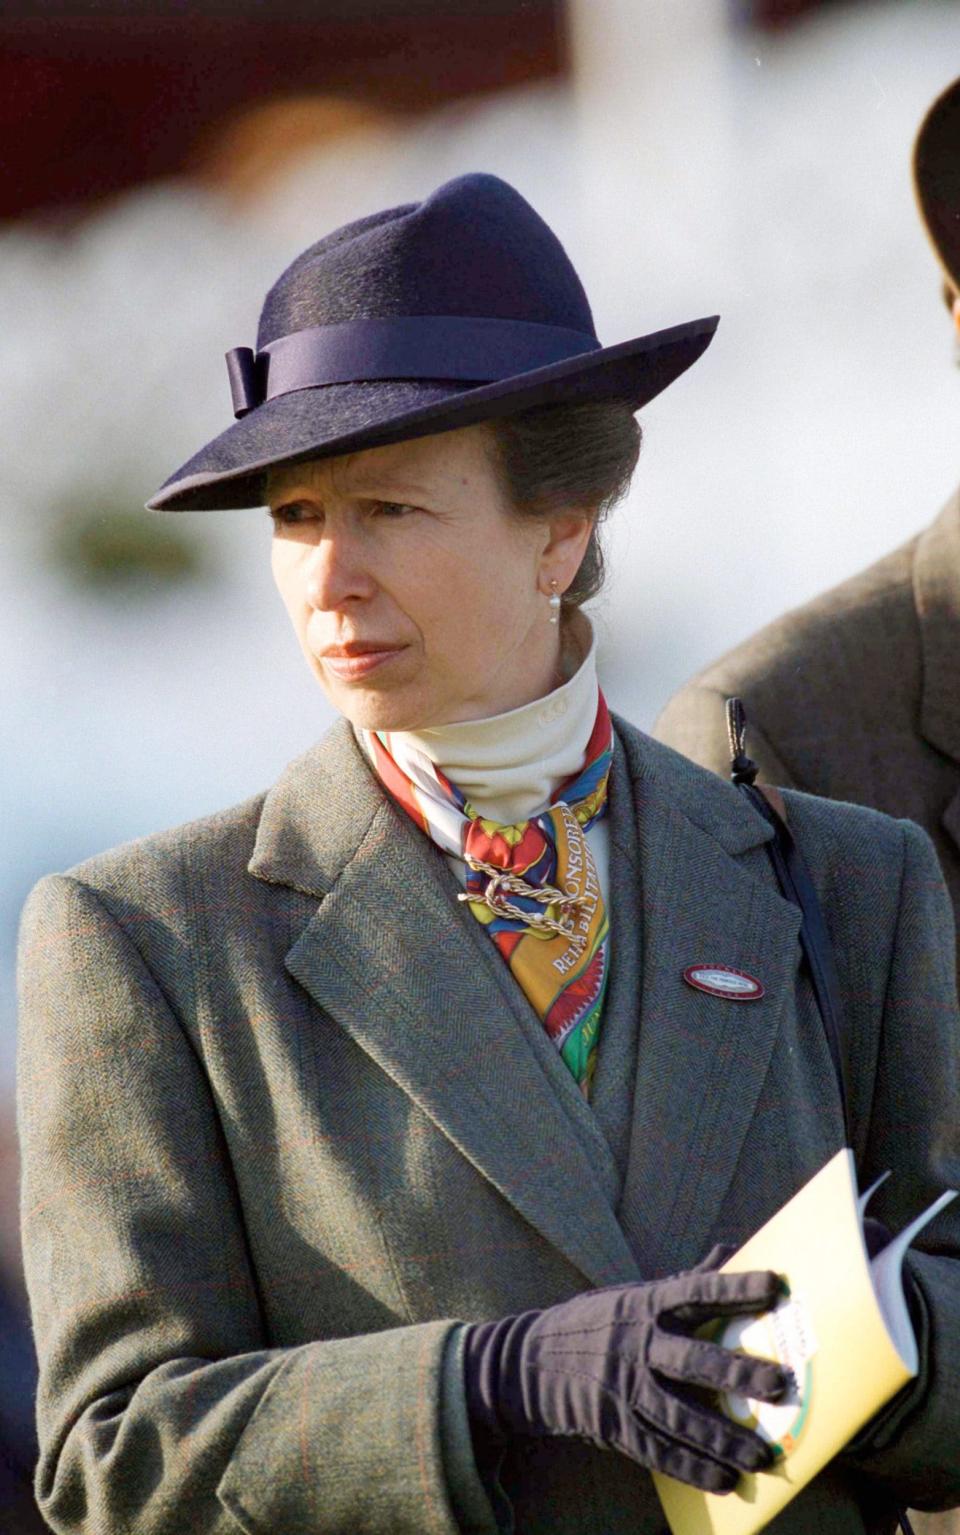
x=533 y=885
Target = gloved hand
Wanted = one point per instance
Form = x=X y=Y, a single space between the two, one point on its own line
x=614 y=1367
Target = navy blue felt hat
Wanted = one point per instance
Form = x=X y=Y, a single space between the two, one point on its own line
x=416 y=320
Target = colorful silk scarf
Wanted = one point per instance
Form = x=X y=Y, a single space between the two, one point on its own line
x=533 y=885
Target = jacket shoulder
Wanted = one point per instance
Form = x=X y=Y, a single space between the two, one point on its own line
x=820 y=671
x=845 y=844
x=832 y=832
x=146 y=871
x=841 y=630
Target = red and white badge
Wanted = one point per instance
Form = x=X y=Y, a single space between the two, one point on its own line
x=722 y=981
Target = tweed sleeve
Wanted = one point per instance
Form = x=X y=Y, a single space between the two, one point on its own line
x=913 y=1447
x=694 y=724
x=160 y=1408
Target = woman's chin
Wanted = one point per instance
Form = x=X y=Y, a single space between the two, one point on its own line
x=404 y=705
x=372 y=709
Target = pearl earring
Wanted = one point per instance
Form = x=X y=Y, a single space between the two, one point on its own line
x=554 y=603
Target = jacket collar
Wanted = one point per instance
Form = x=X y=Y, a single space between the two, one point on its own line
x=317 y=815
x=440 y=1031
x=936 y=585
x=322 y=807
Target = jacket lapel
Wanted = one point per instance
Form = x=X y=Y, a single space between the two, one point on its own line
x=613 y=1085
x=400 y=965
x=701 y=1059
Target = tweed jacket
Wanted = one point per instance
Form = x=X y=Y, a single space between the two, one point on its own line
x=855 y=696
x=287 y=1122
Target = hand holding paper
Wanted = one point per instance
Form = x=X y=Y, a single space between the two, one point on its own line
x=843 y=1330
x=614 y=1367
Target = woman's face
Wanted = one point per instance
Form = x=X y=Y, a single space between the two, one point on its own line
x=417 y=596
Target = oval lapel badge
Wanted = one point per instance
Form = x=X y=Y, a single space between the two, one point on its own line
x=722 y=981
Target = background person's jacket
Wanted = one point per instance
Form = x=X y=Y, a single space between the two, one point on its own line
x=855 y=696
x=286 y=1119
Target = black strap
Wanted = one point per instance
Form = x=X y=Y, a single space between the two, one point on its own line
x=795 y=882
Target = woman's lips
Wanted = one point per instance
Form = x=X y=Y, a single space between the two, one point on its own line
x=350 y=665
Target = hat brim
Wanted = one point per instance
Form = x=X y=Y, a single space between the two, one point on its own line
x=936 y=179
x=319 y=422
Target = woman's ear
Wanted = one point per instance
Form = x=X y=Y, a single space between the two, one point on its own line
x=568 y=536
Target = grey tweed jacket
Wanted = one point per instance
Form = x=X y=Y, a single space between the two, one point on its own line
x=856 y=695
x=287 y=1121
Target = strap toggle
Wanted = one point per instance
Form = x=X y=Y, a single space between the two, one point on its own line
x=742 y=768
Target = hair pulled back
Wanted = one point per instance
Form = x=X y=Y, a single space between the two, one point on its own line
x=556 y=457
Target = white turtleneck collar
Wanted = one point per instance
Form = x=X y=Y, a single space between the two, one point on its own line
x=509 y=765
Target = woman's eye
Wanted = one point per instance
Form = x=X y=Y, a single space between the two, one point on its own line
x=394 y=508
x=291 y=512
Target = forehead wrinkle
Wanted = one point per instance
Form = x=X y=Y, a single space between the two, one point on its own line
x=312 y=474
x=372 y=482
x=370 y=472
x=374 y=469
x=344 y=476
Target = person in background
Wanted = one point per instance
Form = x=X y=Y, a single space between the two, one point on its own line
x=856 y=695
x=381 y=1134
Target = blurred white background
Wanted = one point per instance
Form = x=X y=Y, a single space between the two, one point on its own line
x=691 y=168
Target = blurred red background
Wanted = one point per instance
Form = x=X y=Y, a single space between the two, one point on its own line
x=99 y=98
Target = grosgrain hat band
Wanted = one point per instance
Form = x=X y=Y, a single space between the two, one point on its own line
x=474 y=350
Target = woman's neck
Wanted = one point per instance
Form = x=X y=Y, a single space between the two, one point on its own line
x=509 y=765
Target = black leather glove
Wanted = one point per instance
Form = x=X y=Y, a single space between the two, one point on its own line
x=615 y=1367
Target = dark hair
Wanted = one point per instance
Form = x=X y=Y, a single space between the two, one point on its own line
x=558 y=456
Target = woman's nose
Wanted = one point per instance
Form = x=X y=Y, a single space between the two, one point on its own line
x=337 y=575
